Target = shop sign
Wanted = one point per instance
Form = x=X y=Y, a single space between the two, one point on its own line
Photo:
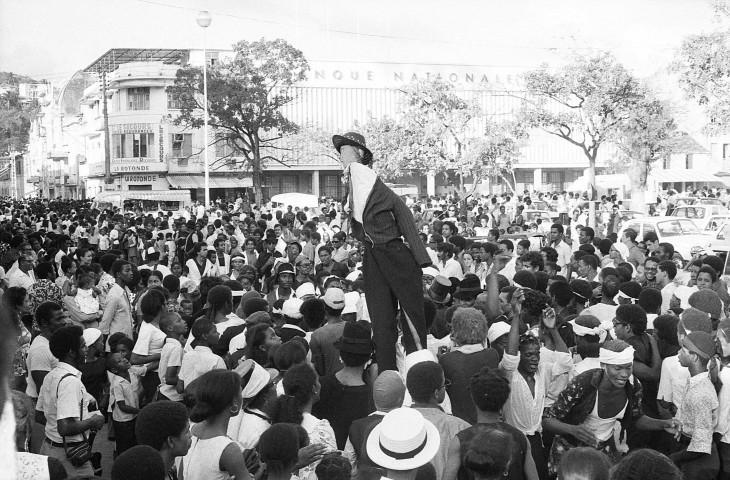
x=139 y=167
x=132 y=128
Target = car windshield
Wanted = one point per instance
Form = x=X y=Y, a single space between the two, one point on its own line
x=690 y=212
x=675 y=228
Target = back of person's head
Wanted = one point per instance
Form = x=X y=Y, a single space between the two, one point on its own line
x=665 y=328
x=489 y=390
x=489 y=454
x=646 y=464
x=584 y=463
x=161 y=424
x=469 y=327
x=334 y=466
x=423 y=379
x=298 y=383
x=152 y=305
x=388 y=391
x=140 y=462
x=253 y=305
x=66 y=341
x=610 y=286
x=278 y=448
x=216 y=392
x=650 y=299
x=288 y=354
x=313 y=313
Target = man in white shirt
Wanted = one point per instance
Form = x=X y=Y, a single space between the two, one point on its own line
x=563 y=249
x=23 y=275
x=666 y=271
x=449 y=267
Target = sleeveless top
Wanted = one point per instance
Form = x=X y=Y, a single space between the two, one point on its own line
x=203 y=459
x=602 y=428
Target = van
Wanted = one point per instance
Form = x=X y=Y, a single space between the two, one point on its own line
x=149 y=201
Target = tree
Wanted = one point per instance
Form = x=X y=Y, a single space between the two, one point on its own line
x=643 y=139
x=586 y=102
x=435 y=131
x=245 y=96
x=702 y=65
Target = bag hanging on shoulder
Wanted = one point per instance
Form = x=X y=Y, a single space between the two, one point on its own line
x=80 y=453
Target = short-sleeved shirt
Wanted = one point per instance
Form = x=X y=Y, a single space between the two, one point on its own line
x=197 y=362
x=673 y=381
x=127 y=391
x=72 y=401
x=150 y=340
x=40 y=359
x=172 y=355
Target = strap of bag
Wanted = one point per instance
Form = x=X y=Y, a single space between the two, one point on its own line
x=81 y=408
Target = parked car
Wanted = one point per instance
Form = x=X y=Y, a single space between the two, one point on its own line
x=701 y=215
x=720 y=238
x=532 y=215
x=631 y=214
x=716 y=221
x=698 y=201
x=682 y=233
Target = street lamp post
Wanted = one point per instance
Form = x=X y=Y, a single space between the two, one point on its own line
x=204 y=20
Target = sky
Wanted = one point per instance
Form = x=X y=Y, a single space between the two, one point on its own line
x=52 y=39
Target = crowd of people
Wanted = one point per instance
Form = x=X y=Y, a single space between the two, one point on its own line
x=237 y=341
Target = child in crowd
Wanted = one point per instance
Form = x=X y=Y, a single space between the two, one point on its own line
x=171 y=357
x=104 y=242
x=696 y=418
x=201 y=358
x=86 y=297
x=123 y=400
x=186 y=311
x=169 y=248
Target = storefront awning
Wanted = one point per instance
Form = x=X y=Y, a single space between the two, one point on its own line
x=687 y=176
x=197 y=181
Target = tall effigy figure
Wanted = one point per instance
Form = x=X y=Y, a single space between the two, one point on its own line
x=394 y=253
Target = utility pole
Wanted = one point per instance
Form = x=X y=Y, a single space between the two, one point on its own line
x=107 y=147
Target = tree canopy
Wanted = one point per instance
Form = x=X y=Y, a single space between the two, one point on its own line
x=437 y=130
x=245 y=96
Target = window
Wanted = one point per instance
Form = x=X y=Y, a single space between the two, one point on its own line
x=117 y=102
x=132 y=145
x=525 y=176
x=173 y=101
x=222 y=149
x=182 y=145
x=330 y=186
x=142 y=144
x=138 y=98
x=211 y=58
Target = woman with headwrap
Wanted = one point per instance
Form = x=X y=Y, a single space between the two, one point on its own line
x=585 y=412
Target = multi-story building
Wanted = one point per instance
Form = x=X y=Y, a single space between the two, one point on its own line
x=147 y=152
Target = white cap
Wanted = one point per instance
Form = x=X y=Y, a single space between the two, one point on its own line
x=497 y=330
x=291 y=308
x=304 y=289
x=91 y=335
x=354 y=275
x=432 y=271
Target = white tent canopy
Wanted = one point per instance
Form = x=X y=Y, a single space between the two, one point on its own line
x=300 y=200
x=604 y=183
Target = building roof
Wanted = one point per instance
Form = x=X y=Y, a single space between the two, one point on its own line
x=115 y=57
x=683 y=143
